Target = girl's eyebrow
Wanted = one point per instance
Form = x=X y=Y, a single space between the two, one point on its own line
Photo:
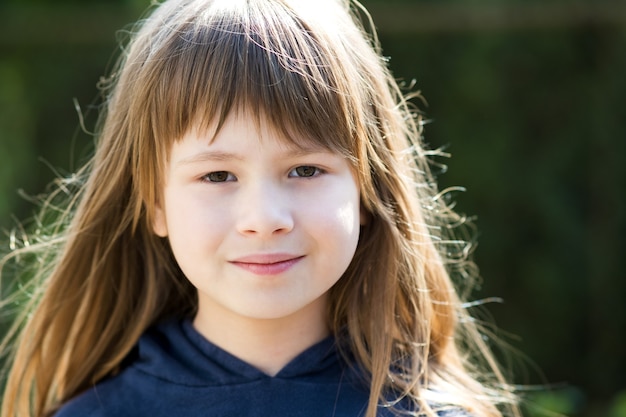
x=206 y=156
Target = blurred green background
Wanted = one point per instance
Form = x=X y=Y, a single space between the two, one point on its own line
x=528 y=96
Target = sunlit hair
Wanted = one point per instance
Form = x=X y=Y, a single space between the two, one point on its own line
x=315 y=73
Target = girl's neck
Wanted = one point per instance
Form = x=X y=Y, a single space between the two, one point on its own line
x=266 y=344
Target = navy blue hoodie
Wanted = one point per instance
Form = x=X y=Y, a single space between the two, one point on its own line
x=176 y=372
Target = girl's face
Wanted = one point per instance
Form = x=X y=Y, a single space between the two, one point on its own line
x=262 y=228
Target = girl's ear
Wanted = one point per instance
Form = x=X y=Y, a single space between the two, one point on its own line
x=159 y=223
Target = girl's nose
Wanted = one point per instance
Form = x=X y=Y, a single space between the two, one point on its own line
x=264 y=211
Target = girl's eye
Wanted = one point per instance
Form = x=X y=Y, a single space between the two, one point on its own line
x=219 y=176
x=305 y=171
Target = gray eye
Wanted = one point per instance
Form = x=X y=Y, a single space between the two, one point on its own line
x=305 y=171
x=218 y=176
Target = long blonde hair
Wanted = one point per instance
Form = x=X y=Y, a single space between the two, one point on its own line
x=314 y=71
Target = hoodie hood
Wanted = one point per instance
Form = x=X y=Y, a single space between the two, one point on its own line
x=177 y=353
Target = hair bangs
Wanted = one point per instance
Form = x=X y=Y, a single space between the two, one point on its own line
x=257 y=57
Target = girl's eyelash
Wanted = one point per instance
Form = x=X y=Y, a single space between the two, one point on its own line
x=218 y=176
x=306 y=171
x=301 y=171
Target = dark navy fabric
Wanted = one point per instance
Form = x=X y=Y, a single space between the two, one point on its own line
x=178 y=373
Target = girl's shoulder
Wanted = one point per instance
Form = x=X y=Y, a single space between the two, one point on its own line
x=95 y=402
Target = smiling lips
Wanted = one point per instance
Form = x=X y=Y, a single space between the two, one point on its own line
x=270 y=264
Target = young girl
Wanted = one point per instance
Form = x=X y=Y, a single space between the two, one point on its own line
x=258 y=234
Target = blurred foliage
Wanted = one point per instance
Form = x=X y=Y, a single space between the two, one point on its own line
x=528 y=96
x=562 y=402
x=618 y=408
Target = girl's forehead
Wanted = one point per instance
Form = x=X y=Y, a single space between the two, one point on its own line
x=246 y=121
